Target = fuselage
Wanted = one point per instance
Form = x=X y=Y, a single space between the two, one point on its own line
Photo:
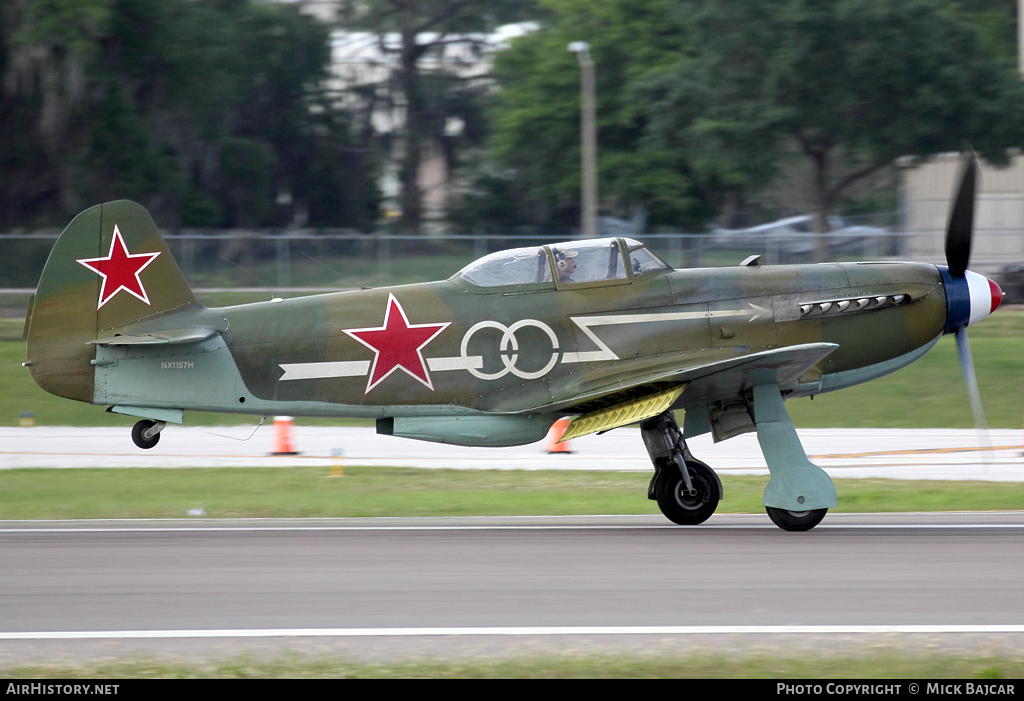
x=449 y=345
x=552 y=330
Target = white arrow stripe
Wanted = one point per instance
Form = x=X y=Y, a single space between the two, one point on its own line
x=590 y=356
x=605 y=353
x=754 y=312
x=314 y=371
x=458 y=362
x=359 y=368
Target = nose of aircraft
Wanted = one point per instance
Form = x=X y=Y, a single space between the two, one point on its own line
x=969 y=299
x=997 y=294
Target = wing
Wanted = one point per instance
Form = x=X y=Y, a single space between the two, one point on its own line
x=691 y=387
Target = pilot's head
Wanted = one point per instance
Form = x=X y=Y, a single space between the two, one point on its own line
x=564 y=263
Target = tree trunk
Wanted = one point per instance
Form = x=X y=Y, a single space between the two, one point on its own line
x=411 y=198
x=822 y=205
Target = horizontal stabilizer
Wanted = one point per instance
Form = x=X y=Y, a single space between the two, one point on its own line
x=148 y=412
x=170 y=336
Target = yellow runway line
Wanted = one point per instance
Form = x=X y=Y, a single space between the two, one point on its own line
x=921 y=451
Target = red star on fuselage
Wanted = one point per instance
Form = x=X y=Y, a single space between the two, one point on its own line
x=397 y=345
x=120 y=270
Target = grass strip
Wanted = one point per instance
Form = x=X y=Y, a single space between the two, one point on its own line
x=878 y=663
x=308 y=492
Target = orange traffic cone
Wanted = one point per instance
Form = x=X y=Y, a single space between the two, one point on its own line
x=283 y=436
x=555 y=434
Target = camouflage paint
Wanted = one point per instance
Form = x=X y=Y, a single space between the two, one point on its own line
x=457 y=349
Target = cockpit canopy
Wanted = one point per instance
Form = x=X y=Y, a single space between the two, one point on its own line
x=576 y=262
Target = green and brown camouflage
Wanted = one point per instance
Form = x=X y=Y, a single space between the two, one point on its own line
x=599 y=330
x=530 y=351
x=65 y=315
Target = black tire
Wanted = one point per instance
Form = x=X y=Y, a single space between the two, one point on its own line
x=795 y=520
x=141 y=427
x=684 y=509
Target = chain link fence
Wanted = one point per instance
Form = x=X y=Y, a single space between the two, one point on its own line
x=332 y=259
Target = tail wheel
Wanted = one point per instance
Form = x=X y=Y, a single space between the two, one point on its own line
x=795 y=520
x=684 y=508
x=139 y=434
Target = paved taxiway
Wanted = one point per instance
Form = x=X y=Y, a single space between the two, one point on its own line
x=902 y=454
x=367 y=587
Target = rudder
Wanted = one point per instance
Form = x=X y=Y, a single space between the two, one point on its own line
x=110 y=268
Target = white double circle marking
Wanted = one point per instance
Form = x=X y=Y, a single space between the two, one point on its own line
x=508 y=339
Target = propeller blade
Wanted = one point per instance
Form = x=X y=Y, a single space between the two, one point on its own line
x=961 y=218
x=967 y=367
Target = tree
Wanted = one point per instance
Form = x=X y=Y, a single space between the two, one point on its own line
x=535 y=116
x=995 y=22
x=408 y=33
x=208 y=112
x=45 y=48
x=215 y=114
x=852 y=82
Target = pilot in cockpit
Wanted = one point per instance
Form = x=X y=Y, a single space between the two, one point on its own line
x=565 y=264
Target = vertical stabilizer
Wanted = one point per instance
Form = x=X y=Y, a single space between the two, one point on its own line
x=109 y=268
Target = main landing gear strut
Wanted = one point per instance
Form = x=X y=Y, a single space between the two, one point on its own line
x=797 y=496
x=687 y=490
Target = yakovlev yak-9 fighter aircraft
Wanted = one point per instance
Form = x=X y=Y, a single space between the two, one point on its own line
x=599 y=330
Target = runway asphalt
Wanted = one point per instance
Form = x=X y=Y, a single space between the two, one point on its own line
x=381 y=588
x=890 y=453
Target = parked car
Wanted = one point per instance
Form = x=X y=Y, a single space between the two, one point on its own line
x=793 y=237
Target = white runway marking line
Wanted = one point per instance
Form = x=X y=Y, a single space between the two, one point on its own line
x=511 y=631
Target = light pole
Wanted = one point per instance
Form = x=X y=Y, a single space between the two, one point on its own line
x=1020 y=36
x=588 y=140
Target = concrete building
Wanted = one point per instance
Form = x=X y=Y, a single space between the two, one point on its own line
x=926 y=192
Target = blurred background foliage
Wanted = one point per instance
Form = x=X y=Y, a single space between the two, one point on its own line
x=703 y=104
x=220 y=113
x=210 y=113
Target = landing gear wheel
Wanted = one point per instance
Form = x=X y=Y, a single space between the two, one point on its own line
x=795 y=520
x=138 y=434
x=688 y=509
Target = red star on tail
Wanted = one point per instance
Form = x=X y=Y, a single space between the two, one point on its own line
x=397 y=345
x=120 y=270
